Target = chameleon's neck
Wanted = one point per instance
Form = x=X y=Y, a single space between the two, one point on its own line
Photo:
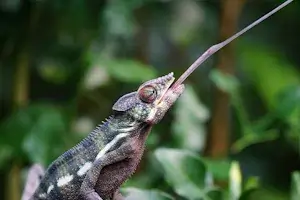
x=114 y=125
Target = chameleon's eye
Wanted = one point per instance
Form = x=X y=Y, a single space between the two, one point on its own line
x=148 y=94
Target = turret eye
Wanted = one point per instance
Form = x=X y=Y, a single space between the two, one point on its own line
x=148 y=94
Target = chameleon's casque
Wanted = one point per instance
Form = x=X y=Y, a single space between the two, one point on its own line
x=97 y=166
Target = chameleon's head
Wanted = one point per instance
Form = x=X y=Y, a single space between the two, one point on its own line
x=152 y=99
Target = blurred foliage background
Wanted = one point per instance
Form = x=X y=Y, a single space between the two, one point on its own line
x=234 y=134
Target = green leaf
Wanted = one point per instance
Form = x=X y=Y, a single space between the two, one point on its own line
x=235 y=181
x=184 y=171
x=269 y=72
x=128 y=70
x=119 y=17
x=53 y=71
x=218 y=167
x=184 y=26
x=14 y=129
x=46 y=136
x=295 y=192
x=137 y=194
x=33 y=130
x=190 y=116
x=262 y=194
x=252 y=183
x=214 y=194
x=95 y=77
x=288 y=105
x=226 y=82
x=254 y=138
x=249 y=194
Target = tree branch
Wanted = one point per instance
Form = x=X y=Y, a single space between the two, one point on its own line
x=218 y=141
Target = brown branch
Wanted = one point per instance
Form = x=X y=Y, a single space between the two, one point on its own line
x=218 y=141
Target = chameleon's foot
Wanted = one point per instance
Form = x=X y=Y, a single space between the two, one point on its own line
x=118 y=196
x=91 y=196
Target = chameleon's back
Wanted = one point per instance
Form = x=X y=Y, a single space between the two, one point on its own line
x=62 y=180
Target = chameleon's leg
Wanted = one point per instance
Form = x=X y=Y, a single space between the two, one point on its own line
x=87 y=190
x=35 y=173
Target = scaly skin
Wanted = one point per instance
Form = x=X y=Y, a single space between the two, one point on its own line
x=96 y=167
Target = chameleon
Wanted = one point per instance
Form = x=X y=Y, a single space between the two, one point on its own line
x=97 y=166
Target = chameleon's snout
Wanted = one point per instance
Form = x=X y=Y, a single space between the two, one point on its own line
x=179 y=89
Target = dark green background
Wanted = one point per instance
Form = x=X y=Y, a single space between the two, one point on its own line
x=64 y=63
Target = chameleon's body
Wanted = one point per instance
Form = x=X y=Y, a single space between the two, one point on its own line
x=85 y=153
x=96 y=167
